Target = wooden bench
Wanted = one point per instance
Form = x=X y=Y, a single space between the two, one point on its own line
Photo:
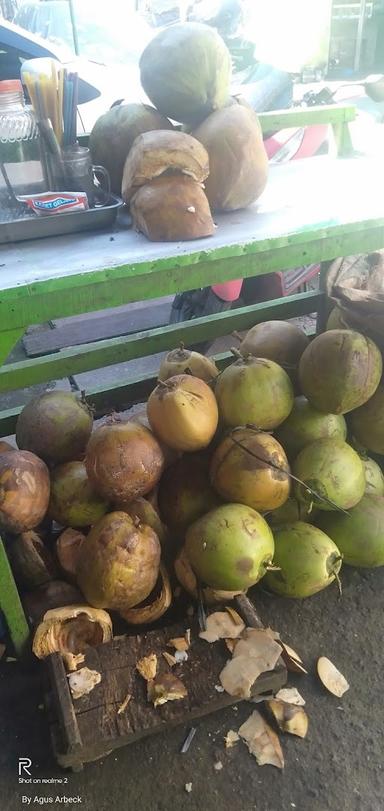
x=311 y=212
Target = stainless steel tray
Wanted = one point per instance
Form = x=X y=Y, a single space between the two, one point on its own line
x=33 y=227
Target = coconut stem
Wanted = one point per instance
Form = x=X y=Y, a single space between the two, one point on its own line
x=287 y=473
x=201 y=615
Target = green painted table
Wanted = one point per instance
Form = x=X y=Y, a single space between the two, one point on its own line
x=312 y=211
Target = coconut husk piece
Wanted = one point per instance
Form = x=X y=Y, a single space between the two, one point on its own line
x=356 y=285
x=262 y=741
x=332 y=679
x=160 y=151
x=172 y=208
x=70 y=631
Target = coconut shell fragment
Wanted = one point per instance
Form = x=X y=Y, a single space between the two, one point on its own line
x=262 y=741
x=166 y=687
x=70 y=631
x=32 y=561
x=220 y=625
x=163 y=151
x=68 y=547
x=172 y=208
x=330 y=676
x=83 y=681
x=153 y=608
x=289 y=717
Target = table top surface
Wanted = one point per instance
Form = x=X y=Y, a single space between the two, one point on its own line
x=304 y=200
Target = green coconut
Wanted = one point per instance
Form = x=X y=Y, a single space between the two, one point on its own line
x=185 y=71
x=374 y=478
x=56 y=426
x=367 y=423
x=74 y=502
x=186 y=493
x=359 y=535
x=289 y=512
x=280 y=341
x=254 y=391
x=333 y=470
x=306 y=424
x=340 y=370
x=230 y=547
x=307 y=558
x=114 y=133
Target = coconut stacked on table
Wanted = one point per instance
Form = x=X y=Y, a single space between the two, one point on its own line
x=160 y=171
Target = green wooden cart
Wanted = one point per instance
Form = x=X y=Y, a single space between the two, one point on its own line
x=312 y=211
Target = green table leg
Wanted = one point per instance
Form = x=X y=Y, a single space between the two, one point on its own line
x=11 y=606
x=8 y=339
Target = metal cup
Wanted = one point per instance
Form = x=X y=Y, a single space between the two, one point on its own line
x=79 y=174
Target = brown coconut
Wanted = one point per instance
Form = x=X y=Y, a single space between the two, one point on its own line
x=119 y=562
x=238 y=162
x=24 y=490
x=172 y=208
x=123 y=461
x=183 y=413
x=154 y=153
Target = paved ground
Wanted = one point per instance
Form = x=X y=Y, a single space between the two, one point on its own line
x=337 y=768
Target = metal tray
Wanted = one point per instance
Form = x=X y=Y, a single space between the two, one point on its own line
x=33 y=227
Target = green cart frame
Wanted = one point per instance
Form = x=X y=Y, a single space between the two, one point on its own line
x=312 y=211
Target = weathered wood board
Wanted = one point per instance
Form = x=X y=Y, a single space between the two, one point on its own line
x=87 y=728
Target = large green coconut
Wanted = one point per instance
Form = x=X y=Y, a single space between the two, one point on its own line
x=367 y=423
x=230 y=548
x=238 y=162
x=74 y=502
x=307 y=558
x=280 y=341
x=114 y=133
x=254 y=391
x=305 y=424
x=56 y=426
x=374 y=478
x=186 y=71
x=359 y=535
x=333 y=470
x=340 y=370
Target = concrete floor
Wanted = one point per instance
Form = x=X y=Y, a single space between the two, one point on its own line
x=338 y=767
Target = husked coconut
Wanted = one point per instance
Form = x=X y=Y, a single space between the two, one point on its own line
x=172 y=208
x=154 y=153
x=238 y=162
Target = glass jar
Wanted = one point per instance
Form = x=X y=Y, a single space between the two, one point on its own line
x=20 y=148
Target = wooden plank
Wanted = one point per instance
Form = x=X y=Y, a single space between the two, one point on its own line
x=8 y=339
x=108 y=325
x=306 y=116
x=62 y=704
x=102 y=729
x=82 y=358
x=11 y=607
